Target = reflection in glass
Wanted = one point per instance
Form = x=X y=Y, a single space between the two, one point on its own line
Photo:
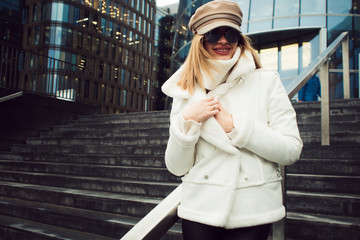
x=289 y=60
x=336 y=6
x=261 y=9
x=286 y=22
x=313 y=7
x=269 y=58
x=286 y=8
x=306 y=21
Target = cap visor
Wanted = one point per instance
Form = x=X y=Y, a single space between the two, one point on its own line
x=218 y=23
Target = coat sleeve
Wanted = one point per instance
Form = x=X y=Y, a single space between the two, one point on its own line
x=180 y=150
x=277 y=141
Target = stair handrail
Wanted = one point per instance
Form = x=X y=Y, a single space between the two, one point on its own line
x=156 y=223
x=11 y=96
x=321 y=63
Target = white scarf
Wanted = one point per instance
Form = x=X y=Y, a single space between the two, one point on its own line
x=220 y=73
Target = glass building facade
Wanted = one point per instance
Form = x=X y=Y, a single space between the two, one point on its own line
x=110 y=41
x=289 y=34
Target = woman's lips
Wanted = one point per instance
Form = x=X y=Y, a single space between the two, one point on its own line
x=222 y=51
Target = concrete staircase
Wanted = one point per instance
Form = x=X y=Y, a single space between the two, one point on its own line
x=94 y=178
x=323 y=187
x=89 y=179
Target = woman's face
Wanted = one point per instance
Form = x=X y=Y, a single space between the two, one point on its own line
x=222 y=49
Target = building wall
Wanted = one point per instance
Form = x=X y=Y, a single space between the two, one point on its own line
x=110 y=41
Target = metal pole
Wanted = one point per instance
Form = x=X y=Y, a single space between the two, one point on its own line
x=346 y=68
x=325 y=109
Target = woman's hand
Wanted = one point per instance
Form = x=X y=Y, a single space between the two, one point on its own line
x=224 y=119
x=201 y=110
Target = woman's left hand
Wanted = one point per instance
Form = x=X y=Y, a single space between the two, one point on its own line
x=224 y=119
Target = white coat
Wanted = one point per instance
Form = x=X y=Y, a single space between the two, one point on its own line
x=233 y=180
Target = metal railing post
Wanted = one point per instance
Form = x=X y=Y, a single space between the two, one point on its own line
x=278 y=228
x=325 y=109
x=346 y=67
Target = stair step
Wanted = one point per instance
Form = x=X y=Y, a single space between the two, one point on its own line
x=133 y=187
x=334 y=151
x=137 y=115
x=321 y=227
x=349 y=167
x=17 y=228
x=110 y=225
x=106 y=133
x=93 y=159
x=109 y=141
x=118 y=172
x=323 y=203
x=91 y=149
x=323 y=183
x=115 y=203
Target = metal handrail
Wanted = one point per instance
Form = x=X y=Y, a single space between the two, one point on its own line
x=163 y=216
x=156 y=223
x=11 y=96
x=321 y=63
x=298 y=82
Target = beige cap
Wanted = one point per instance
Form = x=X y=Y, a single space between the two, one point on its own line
x=216 y=14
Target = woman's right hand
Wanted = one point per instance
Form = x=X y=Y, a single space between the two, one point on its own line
x=201 y=110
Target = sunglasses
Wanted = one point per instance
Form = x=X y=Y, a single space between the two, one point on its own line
x=231 y=35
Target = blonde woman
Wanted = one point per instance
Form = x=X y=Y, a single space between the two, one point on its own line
x=232 y=124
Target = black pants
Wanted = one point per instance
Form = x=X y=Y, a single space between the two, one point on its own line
x=197 y=231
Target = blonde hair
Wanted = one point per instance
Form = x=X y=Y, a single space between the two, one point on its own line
x=198 y=60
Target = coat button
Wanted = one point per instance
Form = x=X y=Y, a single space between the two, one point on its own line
x=206 y=177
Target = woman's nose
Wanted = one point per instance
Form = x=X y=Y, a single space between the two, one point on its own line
x=222 y=39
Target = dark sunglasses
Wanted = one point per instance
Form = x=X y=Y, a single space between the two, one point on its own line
x=231 y=35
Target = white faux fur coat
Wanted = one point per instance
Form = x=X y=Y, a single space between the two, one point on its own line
x=233 y=180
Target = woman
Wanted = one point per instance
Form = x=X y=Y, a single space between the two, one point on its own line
x=232 y=124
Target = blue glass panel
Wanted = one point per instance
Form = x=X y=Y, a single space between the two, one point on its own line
x=337 y=25
x=286 y=23
x=286 y=8
x=313 y=21
x=336 y=6
x=260 y=26
x=244 y=6
x=313 y=7
x=261 y=9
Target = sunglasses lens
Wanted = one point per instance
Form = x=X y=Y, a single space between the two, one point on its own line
x=212 y=36
x=231 y=35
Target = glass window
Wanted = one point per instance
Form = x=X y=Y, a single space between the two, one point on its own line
x=124 y=98
x=289 y=60
x=286 y=8
x=269 y=58
x=37 y=35
x=313 y=7
x=110 y=29
x=336 y=6
x=46 y=11
x=47 y=35
x=103 y=26
x=95 y=92
x=261 y=9
x=306 y=21
x=286 y=22
x=101 y=69
x=106 y=49
x=337 y=25
x=260 y=26
x=103 y=92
